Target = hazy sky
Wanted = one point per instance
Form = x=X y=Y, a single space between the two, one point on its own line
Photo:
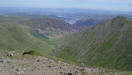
x=125 y=5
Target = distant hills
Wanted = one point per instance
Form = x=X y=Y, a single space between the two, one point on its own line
x=48 y=27
x=70 y=15
x=59 y=11
x=107 y=45
x=93 y=19
x=44 y=23
x=45 y=26
x=88 y=22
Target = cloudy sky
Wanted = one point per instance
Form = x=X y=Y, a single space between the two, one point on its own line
x=124 y=5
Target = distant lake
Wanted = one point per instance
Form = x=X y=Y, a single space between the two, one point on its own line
x=72 y=21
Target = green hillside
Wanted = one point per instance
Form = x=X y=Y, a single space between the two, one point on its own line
x=40 y=26
x=14 y=36
x=107 y=45
x=24 y=33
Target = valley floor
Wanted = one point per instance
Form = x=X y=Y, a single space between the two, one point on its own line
x=38 y=65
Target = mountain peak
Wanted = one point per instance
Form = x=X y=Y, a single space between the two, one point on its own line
x=119 y=21
x=103 y=45
x=120 y=17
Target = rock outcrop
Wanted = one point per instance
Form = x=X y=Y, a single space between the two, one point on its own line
x=38 y=65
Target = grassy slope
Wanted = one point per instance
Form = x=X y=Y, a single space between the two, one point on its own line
x=19 y=36
x=14 y=36
x=31 y=39
x=106 y=45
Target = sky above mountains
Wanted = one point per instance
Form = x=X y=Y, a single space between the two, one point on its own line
x=123 y=5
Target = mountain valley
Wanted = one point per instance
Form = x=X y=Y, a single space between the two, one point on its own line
x=103 y=47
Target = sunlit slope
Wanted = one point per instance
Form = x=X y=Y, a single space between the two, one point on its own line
x=107 y=45
x=14 y=36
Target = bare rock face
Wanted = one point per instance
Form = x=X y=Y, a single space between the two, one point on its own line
x=37 y=65
x=11 y=53
x=3 y=60
x=69 y=74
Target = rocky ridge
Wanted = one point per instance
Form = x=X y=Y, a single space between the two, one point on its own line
x=13 y=63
